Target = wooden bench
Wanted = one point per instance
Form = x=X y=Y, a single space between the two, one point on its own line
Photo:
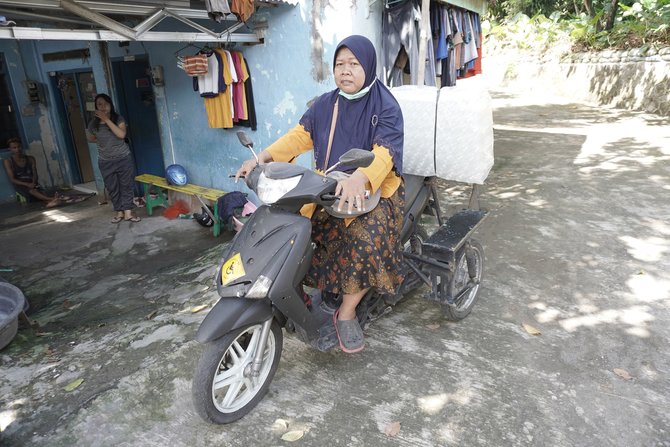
x=200 y=192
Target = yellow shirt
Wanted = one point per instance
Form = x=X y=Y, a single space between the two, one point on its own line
x=219 y=109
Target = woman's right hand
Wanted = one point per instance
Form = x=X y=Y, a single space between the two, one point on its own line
x=245 y=169
x=249 y=165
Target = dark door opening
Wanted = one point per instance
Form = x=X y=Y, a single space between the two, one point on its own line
x=9 y=128
x=137 y=105
x=77 y=107
x=8 y=125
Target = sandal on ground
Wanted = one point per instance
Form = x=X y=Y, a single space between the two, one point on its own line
x=117 y=219
x=133 y=219
x=349 y=333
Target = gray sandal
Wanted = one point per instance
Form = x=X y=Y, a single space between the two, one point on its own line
x=349 y=333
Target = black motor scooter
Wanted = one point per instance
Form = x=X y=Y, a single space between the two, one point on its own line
x=261 y=290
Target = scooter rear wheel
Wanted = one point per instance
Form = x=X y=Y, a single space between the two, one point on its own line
x=466 y=280
x=223 y=389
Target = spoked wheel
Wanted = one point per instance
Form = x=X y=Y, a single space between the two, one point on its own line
x=466 y=280
x=224 y=388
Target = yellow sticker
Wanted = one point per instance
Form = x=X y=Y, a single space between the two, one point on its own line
x=232 y=269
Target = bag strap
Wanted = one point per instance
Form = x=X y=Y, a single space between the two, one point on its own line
x=333 y=122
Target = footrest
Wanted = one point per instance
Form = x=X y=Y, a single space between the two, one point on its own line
x=445 y=242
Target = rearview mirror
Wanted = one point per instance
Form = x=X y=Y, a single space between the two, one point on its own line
x=244 y=139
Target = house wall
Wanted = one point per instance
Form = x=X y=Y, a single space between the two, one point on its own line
x=291 y=67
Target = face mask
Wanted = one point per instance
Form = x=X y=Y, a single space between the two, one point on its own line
x=359 y=94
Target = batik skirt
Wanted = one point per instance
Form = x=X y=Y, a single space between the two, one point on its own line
x=367 y=253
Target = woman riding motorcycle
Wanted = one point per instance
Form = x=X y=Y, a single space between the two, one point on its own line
x=353 y=254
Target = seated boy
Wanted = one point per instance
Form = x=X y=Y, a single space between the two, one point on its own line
x=22 y=172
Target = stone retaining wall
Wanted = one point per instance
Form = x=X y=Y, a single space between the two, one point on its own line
x=628 y=79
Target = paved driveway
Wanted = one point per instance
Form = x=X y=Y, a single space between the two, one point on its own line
x=577 y=248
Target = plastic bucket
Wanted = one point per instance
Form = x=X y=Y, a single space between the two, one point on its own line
x=11 y=304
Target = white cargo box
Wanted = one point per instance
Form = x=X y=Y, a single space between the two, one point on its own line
x=448 y=132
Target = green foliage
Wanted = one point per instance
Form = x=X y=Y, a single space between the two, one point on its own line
x=638 y=23
x=643 y=23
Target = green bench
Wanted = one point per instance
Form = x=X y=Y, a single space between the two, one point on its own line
x=200 y=192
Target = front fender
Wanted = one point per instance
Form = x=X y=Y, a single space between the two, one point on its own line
x=232 y=313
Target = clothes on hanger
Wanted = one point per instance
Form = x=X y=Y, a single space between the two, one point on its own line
x=195 y=65
x=226 y=89
x=401 y=26
x=249 y=101
x=453 y=48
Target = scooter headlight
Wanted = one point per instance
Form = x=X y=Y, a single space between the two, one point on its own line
x=260 y=288
x=271 y=190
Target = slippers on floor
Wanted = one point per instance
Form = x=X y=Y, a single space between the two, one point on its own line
x=349 y=333
x=133 y=219
x=116 y=219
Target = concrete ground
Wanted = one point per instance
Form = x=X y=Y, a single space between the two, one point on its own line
x=577 y=247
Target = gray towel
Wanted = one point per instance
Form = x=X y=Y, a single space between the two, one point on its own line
x=217 y=9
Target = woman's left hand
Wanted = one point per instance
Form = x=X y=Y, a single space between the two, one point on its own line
x=351 y=192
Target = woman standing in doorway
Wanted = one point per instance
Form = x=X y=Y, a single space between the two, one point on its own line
x=108 y=130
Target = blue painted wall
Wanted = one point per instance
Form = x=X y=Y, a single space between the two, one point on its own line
x=288 y=70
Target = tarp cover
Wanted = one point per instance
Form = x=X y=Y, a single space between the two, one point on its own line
x=448 y=133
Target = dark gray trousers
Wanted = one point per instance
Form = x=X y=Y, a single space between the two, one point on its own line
x=119 y=178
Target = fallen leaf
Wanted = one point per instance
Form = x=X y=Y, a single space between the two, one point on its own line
x=73 y=385
x=622 y=373
x=67 y=304
x=392 y=429
x=151 y=315
x=292 y=436
x=197 y=309
x=280 y=424
x=531 y=330
x=641 y=272
x=433 y=326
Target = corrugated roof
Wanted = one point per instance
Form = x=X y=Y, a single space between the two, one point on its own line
x=122 y=20
x=279 y=2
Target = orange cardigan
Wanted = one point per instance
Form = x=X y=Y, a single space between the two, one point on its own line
x=380 y=173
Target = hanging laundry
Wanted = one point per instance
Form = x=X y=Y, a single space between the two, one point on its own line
x=239 y=111
x=217 y=9
x=193 y=65
x=219 y=108
x=226 y=89
x=249 y=101
x=243 y=9
x=233 y=75
x=401 y=27
x=209 y=84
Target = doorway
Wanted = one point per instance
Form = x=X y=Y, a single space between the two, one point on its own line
x=9 y=128
x=137 y=105
x=77 y=108
x=8 y=123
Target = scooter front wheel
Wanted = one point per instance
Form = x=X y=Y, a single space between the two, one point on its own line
x=224 y=388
